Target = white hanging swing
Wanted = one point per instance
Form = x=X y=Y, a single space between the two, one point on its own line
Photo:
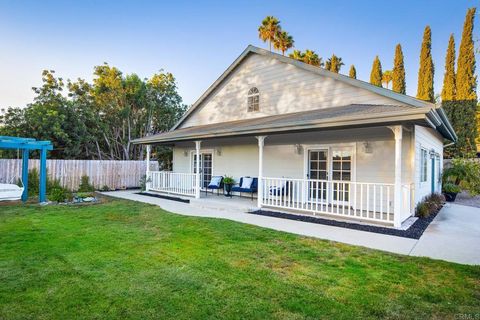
x=11 y=191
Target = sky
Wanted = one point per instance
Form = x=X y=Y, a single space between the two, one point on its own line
x=198 y=40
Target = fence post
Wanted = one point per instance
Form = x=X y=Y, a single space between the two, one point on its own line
x=148 y=179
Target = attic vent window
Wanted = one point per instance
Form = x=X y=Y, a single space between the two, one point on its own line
x=253 y=100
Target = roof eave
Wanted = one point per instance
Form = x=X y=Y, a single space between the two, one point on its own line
x=342 y=123
x=439 y=121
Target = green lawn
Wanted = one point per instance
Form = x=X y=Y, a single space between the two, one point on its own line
x=123 y=259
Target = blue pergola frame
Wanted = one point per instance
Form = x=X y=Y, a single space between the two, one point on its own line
x=26 y=145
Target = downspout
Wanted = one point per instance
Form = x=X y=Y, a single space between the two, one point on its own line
x=433 y=175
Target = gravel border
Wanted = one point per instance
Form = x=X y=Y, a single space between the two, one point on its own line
x=163 y=197
x=414 y=232
x=465 y=199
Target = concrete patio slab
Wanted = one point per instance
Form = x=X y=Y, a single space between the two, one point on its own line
x=454 y=235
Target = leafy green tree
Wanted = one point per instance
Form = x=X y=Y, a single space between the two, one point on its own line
x=426 y=70
x=449 y=88
x=89 y=128
x=466 y=82
x=269 y=30
x=353 y=72
x=398 y=73
x=334 y=64
x=283 y=42
x=376 y=74
x=49 y=117
x=98 y=121
x=12 y=123
x=387 y=77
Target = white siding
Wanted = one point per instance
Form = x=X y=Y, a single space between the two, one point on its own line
x=428 y=139
x=284 y=88
x=280 y=159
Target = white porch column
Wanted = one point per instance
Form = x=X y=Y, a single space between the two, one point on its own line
x=147 y=174
x=197 y=175
x=261 y=140
x=398 y=198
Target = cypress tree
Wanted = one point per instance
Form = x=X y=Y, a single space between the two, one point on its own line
x=466 y=80
x=448 y=90
x=398 y=74
x=353 y=72
x=376 y=74
x=426 y=70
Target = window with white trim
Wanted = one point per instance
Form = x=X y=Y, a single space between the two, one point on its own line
x=423 y=165
x=253 y=100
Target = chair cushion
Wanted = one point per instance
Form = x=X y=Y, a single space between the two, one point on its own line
x=215 y=182
x=246 y=183
x=249 y=190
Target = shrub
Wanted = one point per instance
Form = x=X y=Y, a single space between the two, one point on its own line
x=228 y=180
x=143 y=182
x=85 y=185
x=464 y=173
x=436 y=198
x=450 y=188
x=53 y=184
x=33 y=182
x=57 y=195
x=422 y=210
x=85 y=194
x=105 y=188
x=429 y=205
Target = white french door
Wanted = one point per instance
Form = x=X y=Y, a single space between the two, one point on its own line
x=206 y=166
x=318 y=170
x=332 y=165
x=341 y=171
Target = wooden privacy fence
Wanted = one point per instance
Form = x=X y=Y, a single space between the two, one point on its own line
x=111 y=173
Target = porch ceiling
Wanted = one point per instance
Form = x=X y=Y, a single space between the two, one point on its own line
x=354 y=115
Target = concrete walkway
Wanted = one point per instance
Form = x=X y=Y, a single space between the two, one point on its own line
x=454 y=235
x=437 y=244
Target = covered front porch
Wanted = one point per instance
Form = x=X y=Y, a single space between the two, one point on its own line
x=361 y=174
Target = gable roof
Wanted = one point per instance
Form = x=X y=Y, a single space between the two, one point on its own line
x=320 y=71
x=353 y=115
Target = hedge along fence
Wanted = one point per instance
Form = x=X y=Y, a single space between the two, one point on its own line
x=111 y=173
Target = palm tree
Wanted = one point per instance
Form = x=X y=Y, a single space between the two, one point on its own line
x=283 y=41
x=269 y=30
x=387 y=77
x=334 y=64
x=312 y=58
x=297 y=55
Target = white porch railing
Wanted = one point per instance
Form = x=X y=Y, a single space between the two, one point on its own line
x=361 y=200
x=172 y=182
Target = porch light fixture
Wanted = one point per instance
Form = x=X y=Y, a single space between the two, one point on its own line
x=298 y=149
x=367 y=147
x=218 y=151
x=185 y=153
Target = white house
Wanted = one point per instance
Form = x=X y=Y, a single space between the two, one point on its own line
x=319 y=142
